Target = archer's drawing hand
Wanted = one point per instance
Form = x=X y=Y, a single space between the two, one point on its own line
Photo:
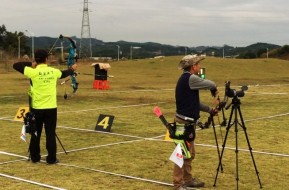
x=34 y=64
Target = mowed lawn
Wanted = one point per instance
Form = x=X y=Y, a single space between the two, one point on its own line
x=134 y=154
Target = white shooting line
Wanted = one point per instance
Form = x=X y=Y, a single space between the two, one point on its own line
x=229 y=148
x=8 y=96
x=246 y=150
x=172 y=89
x=154 y=139
x=267 y=85
x=113 y=107
x=268 y=93
x=168 y=89
x=97 y=146
x=131 y=136
x=11 y=154
x=31 y=182
x=94 y=131
x=120 y=175
x=130 y=91
x=8 y=118
x=268 y=117
x=127 y=176
x=143 y=138
x=21 y=179
x=84 y=168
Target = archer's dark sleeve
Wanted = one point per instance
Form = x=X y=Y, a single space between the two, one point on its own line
x=19 y=66
x=66 y=73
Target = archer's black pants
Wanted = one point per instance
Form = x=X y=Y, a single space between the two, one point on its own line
x=48 y=118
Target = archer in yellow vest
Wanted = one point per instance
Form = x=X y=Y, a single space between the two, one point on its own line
x=43 y=102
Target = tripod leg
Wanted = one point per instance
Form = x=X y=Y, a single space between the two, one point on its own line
x=29 y=155
x=223 y=147
x=236 y=145
x=250 y=148
x=32 y=138
x=217 y=144
x=224 y=123
x=60 y=143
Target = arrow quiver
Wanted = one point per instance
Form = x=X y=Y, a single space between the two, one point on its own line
x=180 y=134
x=183 y=135
x=29 y=122
x=29 y=118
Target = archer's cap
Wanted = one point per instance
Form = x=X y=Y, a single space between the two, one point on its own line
x=41 y=54
x=190 y=60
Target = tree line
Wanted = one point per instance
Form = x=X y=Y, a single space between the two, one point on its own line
x=9 y=42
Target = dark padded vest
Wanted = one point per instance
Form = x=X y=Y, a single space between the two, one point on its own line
x=187 y=100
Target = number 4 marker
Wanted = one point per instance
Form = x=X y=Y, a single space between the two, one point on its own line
x=104 y=123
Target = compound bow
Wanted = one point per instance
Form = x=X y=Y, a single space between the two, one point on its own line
x=71 y=59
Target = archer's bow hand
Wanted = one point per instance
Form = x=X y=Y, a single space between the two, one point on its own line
x=213 y=112
x=74 y=74
x=73 y=67
x=214 y=92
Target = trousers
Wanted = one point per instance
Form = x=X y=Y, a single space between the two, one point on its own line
x=48 y=118
x=184 y=174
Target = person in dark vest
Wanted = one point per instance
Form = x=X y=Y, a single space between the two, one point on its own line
x=188 y=105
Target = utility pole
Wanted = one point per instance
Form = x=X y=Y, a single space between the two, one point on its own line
x=118 y=52
x=85 y=41
x=19 y=37
x=32 y=43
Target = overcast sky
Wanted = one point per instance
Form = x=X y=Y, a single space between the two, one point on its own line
x=175 y=22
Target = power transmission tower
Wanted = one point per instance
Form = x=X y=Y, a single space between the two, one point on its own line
x=85 y=41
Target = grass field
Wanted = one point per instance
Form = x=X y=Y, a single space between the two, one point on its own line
x=134 y=154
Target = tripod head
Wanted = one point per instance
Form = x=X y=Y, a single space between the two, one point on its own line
x=234 y=94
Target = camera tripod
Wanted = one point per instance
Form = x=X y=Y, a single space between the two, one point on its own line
x=216 y=140
x=236 y=110
x=29 y=156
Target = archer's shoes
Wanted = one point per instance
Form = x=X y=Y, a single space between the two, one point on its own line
x=182 y=188
x=35 y=161
x=55 y=162
x=195 y=183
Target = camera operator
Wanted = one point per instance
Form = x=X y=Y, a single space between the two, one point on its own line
x=188 y=105
x=43 y=101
